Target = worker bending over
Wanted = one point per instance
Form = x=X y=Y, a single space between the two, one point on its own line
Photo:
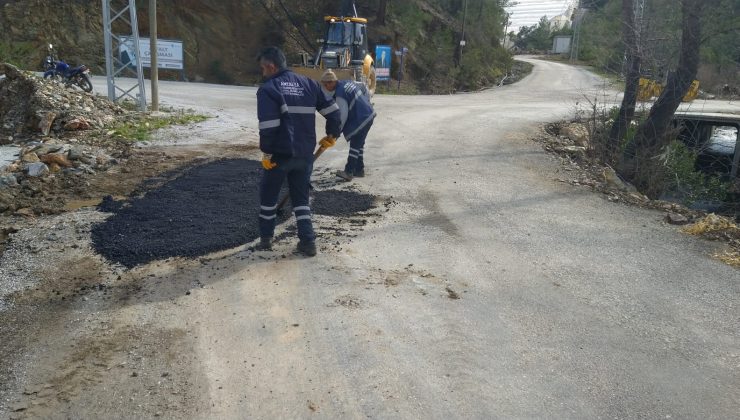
x=357 y=116
x=286 y=106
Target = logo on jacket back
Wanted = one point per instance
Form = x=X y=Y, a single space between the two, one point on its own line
x=291 y=89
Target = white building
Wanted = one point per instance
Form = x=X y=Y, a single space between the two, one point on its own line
x=529 y=12
x=559 y=22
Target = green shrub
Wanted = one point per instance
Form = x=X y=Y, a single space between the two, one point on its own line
x=19 y=54
x=683 y=180
x=141 y=129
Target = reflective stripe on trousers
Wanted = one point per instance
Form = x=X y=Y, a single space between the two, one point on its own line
x=355 y=161
x=297 y=171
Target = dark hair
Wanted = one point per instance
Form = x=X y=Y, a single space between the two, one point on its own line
x=274 y=55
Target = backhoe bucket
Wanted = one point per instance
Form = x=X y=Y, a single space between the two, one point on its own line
x=315 y=73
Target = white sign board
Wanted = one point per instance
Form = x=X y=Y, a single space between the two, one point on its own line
x=169 y=53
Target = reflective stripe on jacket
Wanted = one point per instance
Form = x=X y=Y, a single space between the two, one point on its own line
x=286 y=106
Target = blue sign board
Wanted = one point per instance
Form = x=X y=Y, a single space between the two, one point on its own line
x=383 y=62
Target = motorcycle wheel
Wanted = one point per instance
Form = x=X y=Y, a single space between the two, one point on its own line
x=85 y=83
x=53 y=76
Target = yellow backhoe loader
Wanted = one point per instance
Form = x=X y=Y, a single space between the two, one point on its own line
x=344 y=49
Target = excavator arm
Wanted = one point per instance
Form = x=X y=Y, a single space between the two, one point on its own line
x=348 y=9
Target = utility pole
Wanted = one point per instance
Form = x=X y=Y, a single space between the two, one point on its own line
x=153 y=52
x=401 y=53
x=118 y=47
x=504 y=43
x=576 y=43
x=462 y=38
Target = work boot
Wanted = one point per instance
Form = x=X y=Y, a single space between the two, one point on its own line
x=360 y=173
x=307 y=248
x=344 y=175
x=264 y=245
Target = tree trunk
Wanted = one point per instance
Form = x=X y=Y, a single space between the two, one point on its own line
x=382 y=7
x=651 y=136
x=632 y=79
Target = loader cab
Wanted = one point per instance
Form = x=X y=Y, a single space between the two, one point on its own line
x=345 y=42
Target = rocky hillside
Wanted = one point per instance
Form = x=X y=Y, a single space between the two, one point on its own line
x=221 y=37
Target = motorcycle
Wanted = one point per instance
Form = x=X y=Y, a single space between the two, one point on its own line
x=63 y=72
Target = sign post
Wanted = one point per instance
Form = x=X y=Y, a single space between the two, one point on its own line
x=153 y=54
x=401 y=53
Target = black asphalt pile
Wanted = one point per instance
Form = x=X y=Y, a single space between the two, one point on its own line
x=209 y=208
x=31 y=106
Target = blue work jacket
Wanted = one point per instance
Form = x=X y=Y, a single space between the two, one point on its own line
x=356 y=111
x=286 y=107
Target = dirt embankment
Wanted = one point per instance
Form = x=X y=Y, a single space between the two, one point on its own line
x=53 y=139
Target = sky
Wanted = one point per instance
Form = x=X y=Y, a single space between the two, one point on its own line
x=529 y=12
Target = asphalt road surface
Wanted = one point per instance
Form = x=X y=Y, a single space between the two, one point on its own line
x=483 y=289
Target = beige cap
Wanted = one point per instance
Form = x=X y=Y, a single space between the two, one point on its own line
x=329 y=76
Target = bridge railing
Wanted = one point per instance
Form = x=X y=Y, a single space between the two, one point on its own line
x=715 y=137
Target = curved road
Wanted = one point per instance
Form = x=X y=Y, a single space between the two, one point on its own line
x=569 y=306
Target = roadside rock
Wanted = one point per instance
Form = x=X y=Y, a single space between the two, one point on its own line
x=77 y=153
x=8 y=181
x=103 y=159
x=30 y=158
x=46 y=148
x=46 y=121
x=77 y=124
x=58 y=159
x=37 y=169
x=676 y=219
x=576 y=132
x=613 y=180
x=575 y=151
x=25 y=212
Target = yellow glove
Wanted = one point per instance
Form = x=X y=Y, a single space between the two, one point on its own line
x=267 y=162
x=327 y=142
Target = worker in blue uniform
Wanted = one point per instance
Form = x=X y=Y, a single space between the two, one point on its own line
x=286 y=107
x=357 y=116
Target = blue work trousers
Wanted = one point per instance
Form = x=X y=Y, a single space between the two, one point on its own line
x=298 y=173
x=355 y=162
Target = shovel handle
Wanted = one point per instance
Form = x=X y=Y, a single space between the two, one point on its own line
x=318 y=152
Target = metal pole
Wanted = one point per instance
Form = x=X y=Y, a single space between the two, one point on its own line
x=153 y=54
x=115 y=66
x=108 y=50
x=400 y=71
x=462 y=40
x=736 y=156
x=139 y=66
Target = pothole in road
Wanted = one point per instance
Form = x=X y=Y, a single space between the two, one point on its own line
x=209 y=208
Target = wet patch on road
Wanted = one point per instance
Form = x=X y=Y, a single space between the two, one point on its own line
x=341 y=203
x=208 y=208
x=124 y=360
